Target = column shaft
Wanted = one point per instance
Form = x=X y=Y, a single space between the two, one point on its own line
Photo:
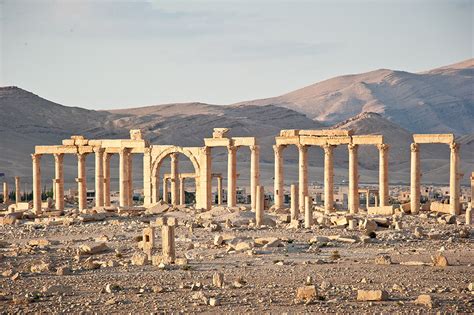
x=302 y=175
x=106 y=170
x=123 y=178
x=254 y=173
x=260 y=203
x=279 y=177
x=99 y=177
x=168 y=243
x=36 y=158
x=454 y=180
x=231 y=176
x=165 y=190
x=59 y=181
x=415 y=178
x=182 y=193
x=294 y=209
x=383 y=174
x=328 y=179
x=81 y=181
x=130 y=179
x=17 y=190
x=219 y=190
x=353 y=179
x=5 y=193
x=174 y=179
x=308 y=212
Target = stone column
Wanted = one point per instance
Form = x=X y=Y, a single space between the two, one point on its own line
x=383 y=174
x=254 y=173
x=294 y=202
x=148 y=186
x=308 y=212
x=106 y=170
x=454 y=180
x=353 y=178
x=99 y=177
x=130 y=179
x=5 y=193
x=165 y=190
x=17 y=190
x=231 y=176
x=81 y=181
x=36 y=158
x=182 y=193
x=123 y=178
x=303 y=175
x=154 y=188
x=174 y=179
x=415 y=178
x=219 y=190
x=260 y=201
x=279 y=179
x=168 y=238
x=367 y=200
x=59 y=181
x=328 y=178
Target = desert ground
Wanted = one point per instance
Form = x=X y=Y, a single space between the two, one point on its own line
x=93 y=262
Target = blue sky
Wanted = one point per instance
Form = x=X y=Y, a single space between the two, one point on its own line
x=112 y=54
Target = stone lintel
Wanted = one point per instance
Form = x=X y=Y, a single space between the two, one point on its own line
x=52 y=149
x=217 y=142
x=289 y=133
x=367 y=139
x=307 y=140
x=287 y=140
x=244 y=141
x=446 y=138
x=326 y=132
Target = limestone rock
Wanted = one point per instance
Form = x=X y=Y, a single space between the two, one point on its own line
x=139 y=259
x=424 y=299
x=306 y=293
x=214 y=302
x=439 y=260
x=218 y=279
x=8 y=219
x=383 y=260
x=58 y=290
x=218 y=240
x=371 y=295
x=40 y=267
x=93 y=248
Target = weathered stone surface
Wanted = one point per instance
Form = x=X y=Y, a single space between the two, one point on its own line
x=8 y=219
x=439 y=260
x=369 y=226
x=306 y=293
x=218 y=240
x=40 y=267
x=93 y=248
x=218 y=279
x=371 y=295
x=139 y=259
x=383 y=260
x=424 y=299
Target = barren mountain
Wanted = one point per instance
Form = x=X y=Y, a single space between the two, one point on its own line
x=440 y=100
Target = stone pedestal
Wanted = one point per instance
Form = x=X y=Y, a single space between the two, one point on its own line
x=148 y=241
x=219 y=190
x=415 y=175
x=254 y=173
x=259 y=207
x=99 y=177
x=81 y=181
x=59 y=181
x=294 y=209
x=353 y=195
x=123 y=178
x=383 y=174
x=308 y=212
x=278 y=193
x=168 y=238
x=17 y=190
x=303 y=175
x=328 y=179
x=231 y=176
x=106 y=170
x=454 y=180
x=36 y=159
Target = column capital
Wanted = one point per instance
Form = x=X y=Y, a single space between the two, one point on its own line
x=414 y=147
x=278 y=148
x=231 y=148
x=352 y=147
x=98 y=150
x=81 y=155
x=383 y=147
x=36 y=156
x=254 y=147
x=328 y=148
x=58 y=157
x=302 y=147
x=454 y=147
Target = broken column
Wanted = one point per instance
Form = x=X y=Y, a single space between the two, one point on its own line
x=231 y=176
x=302 y=175
x=383 y=174
x=5 y=193
x=454 y=180
x=308 y=212
x=415 y=178
x=174 y=179
x=328 y=178
x=123 y=177
x=59 y=181
x=278 y=194
x=36 y=158
x=106 y=171
x=259 y=207
x=353 y=178
x=99 y=177
x=254 y=173
x=81 y=181
x=17 y=190
x=168 y=241
x=182 y=193
x=294 y=209
x=219 y=190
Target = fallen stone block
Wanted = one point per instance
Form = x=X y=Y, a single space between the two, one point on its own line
x=424 y=299
x=383 y=260
x=381 y=210
x=40 y=267
x=139 y=259
x=93 y=248
x=439 y=207
x=372 y=295
x=306 y=293
x=439 y=260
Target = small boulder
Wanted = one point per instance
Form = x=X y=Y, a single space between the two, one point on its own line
x=306 y=293
x=372 y=295
x=424 y=299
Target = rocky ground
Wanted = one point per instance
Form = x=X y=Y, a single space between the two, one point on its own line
x=93 y=263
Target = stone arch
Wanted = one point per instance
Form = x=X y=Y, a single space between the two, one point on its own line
x=156 y=163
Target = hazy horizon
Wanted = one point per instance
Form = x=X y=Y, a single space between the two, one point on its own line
x=118 y=54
